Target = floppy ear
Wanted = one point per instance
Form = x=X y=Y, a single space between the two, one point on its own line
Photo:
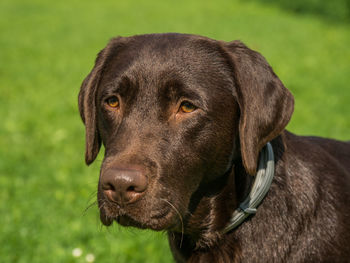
x=87 y=109
x=266 y=105
x=87 y=98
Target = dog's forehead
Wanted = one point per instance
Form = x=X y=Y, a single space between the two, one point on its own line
x=183 y=53
x=157 y=59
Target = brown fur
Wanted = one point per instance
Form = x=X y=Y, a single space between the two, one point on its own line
x=200 y=165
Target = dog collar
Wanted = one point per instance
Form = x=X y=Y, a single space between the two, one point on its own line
x=261 y=186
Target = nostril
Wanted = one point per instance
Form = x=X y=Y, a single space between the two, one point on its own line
x=111 y=187
x=131 y=188
x=108 y=186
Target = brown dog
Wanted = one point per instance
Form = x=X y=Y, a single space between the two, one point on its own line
x=183 y=119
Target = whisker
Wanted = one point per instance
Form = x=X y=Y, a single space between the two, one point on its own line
x=90 y=203
x=178 y=213
x=92 y=195
x=102 y=203
x=88 y=207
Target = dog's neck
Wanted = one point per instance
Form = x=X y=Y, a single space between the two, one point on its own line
x=203 y=238
x=211 y=213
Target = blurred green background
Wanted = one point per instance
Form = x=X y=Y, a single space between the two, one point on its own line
x=48 y=47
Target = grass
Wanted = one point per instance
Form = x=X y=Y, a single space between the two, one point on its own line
x=47 y=48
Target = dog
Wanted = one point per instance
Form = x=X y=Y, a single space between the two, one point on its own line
x=184 y=121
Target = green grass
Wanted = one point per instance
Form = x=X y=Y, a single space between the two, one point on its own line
x=47 y=48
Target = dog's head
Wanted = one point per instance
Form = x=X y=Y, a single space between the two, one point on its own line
x=174 y=112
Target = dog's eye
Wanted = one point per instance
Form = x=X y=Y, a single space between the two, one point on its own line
x=187 y=107
x=113 y=102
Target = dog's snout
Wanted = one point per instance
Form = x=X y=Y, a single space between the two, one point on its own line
x=123 y=185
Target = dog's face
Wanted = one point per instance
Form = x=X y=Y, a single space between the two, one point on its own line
x=173 y=112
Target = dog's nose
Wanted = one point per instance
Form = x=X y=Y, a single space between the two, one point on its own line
x=123 y=185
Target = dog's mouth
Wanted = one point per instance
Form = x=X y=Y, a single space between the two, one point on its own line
x=107 y=218
x=126 y=220
x=163 y=218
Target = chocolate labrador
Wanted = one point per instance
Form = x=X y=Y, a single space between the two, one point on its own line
x=185 y=121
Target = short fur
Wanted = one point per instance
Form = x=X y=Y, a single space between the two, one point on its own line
x=200 y=165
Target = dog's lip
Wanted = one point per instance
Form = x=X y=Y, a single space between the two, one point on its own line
x=126 y=220
x=156 y=219
x=158 y=222
x=106 y=220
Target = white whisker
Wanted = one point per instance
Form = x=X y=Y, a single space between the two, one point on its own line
x=178 y=213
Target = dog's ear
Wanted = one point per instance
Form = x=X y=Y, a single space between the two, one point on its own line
x=87 y=109
x=266 y=106
x=87 y=100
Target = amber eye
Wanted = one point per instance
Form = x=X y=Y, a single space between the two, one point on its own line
x=187 y=107
x=113 y=102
